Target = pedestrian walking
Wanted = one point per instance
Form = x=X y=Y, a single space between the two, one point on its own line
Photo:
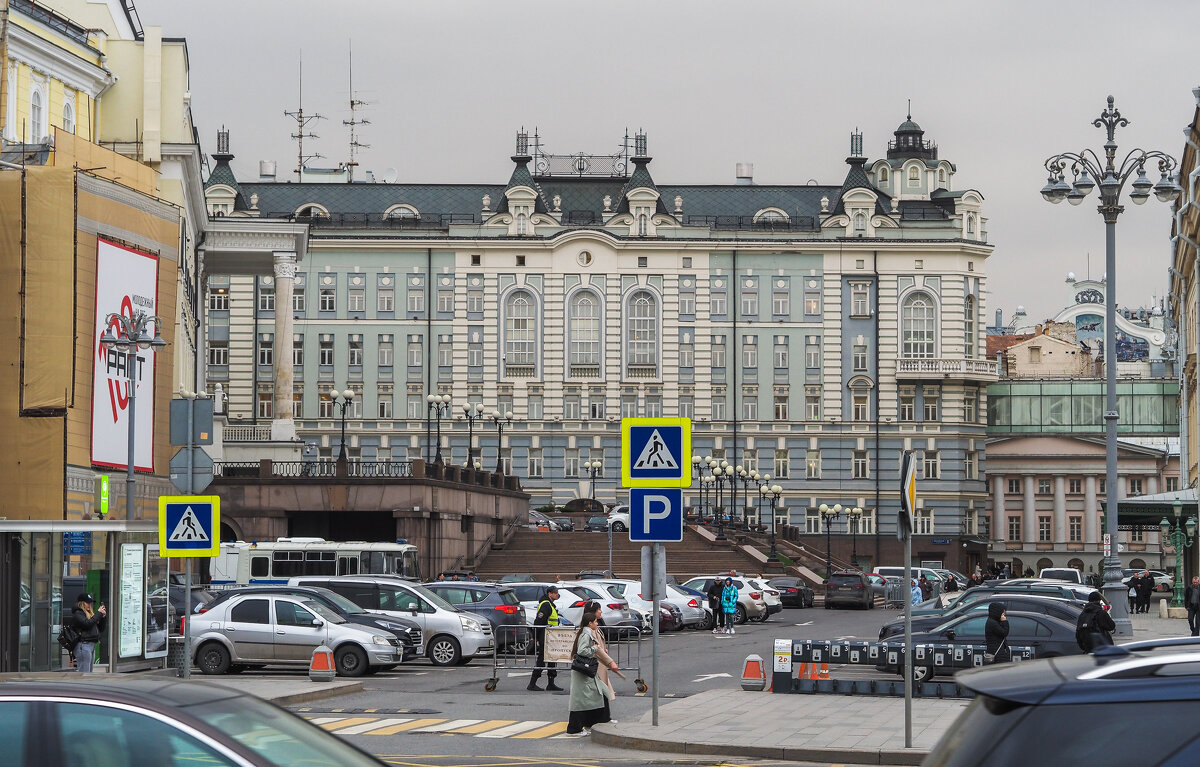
x=915 y=593
x=951 y=583
x=1191 y=600
x=1094 y=626
x=1144 y=589
x=1132 y=596
x=89 y=624
x=598 y=634
x=729 y=601
x=547 y=616
x=589 y=695
x=995 y=634
x=714 y=604
x=926 y=588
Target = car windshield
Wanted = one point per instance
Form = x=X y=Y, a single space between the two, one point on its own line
x=341 y=602
x=322 y=610
x=508 y=597
x=844 y=580
x=277 y=736
x=432 y=597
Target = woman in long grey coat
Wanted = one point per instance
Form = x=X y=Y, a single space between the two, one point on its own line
x=589 y=695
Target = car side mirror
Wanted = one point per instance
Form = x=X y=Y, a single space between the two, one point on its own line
x=949 y=633
x=414 y=610
x=318 y=622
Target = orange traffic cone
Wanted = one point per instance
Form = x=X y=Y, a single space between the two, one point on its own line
x=824 y=671
x=321 y=668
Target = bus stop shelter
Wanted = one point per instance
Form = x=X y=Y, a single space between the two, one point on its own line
x=1146 y=513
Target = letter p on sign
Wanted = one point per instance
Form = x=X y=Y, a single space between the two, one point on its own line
x=656 y=515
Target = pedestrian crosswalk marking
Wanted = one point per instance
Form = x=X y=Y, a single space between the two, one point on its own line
x=374 y=724
x=548 y=731
x=453 y=724
x=405 y=727
x=352 y=721
x=476 y=728
x=513 y=729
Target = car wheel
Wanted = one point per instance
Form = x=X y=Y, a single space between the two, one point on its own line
x=618 y=527
x=212 y=659
x=812 y=601
x=444 y=651
x=707 y=623
x=350 y=661
x=739 y=616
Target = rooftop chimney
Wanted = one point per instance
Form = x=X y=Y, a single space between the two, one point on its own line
x=744 y=171
x=266 y=170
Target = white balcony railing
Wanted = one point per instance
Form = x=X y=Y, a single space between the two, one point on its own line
x=947 y=366
x=248 y=433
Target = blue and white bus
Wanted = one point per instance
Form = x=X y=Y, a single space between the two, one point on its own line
x=241 y=563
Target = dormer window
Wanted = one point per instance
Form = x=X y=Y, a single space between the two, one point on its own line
x=401 y=211
x=312 y=210
x=914 y=175
x=970 y=223
x=883 y=175
x=942 y=176
x=860 y=222
x=522 y=225
x=643 y=225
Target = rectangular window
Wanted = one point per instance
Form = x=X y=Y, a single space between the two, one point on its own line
x=812 y=403
x=571 y=463
x=812 y=461
x=535 y=462
x=781 y=356
x=812 y=352
x=1172 y=484
x=266 y=349
x=860 y=299
x=971 y=406
x=535 y=407
x=416 y=407
x=446 y=303
x=1014 y=486
x=218 y=353
x=266 y=299
x=1075 y=486
x=1075 y=529
x=1014 y=528
x=218 y=301
x=445 y=354
x=385 y=352
x=812 y=303
x=416 y=300
x=356 y=350
x=750 y=303
x=783 y=468
x=475 y=355
x=687 y=407
x=924 y=522
x=931 y=399
x=1135 y=487
x=860 y=358
x=812 y=522
x=750 y=353
x=860 y=469
x=416 y=354
x=1102 y=487
x=629 y=406
x=932 y=464
x=357 y=300
x=861 y=407
x=385 y=406
x=750 y=408
x=866 y=523
x=596 y=406
x=298 y=300
x=718 y=407
x=475 y=302
x=781 y=407
x=1043 y=487
x=265 y=402
x=654 y=406
x=687 y=355
x=687 y=303
x=1043 y=530
x=571 y=407
x=506 y=461
x=718 y=354
x=297 y=405
x=972 y=464
x=908 y=405
x=781 y=303
x=716 y=304
x=298 y=351
x=327 y=300
x=385 y=300
x=324 y=407
x=1137 y=535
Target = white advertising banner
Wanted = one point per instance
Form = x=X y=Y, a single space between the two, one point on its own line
x=126 y=284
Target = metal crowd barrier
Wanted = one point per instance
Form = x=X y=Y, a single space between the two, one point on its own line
x=622 y=643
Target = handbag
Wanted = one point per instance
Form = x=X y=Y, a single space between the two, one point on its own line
x=584 y=665
x=990 y=657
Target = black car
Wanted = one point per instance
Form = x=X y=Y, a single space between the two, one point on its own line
x=407 y=631
x=1049 y=637
x=497 y=602
x=793 y=592
x=1089 y=710
x=849 y=587
x=1063 y=609
x=177 y=593
x=566 y=524
x=596 y=525
x=136 y=721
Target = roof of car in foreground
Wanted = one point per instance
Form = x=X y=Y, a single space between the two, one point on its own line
x=162 y=691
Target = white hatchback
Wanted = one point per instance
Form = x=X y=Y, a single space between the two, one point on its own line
x=770 y=596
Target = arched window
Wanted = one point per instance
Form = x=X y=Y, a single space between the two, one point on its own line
x=969 y=327
x=312 y=210
x=942 y=175
x=641 y=332
x=584 y=331
x=970 y=223
x=883 y=175
x=918 y=326
x=520 y=330
x=913 y=173
x=643 y=225
x=68 y=122
x=522 y=224
x=37 y=118
x=860 y=222
x=402 y=211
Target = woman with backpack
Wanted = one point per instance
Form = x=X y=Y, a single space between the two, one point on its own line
x=1094 y=627
x=89 y=624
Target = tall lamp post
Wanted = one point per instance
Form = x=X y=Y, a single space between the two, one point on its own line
x=1180 y=541
x=721 y=475
x=499 y=419
x=472 y=412
x=593 y=468
x=132 y=334
x=343 y=401
x=438 y=407
x=828 y=515
x=1088 y=171
x=772 y=492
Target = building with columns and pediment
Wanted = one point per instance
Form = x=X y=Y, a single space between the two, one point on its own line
x=811 y=332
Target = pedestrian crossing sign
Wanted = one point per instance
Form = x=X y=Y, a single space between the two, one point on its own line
x=189 y=525
x=656 y=452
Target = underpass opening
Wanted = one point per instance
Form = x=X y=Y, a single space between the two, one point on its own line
x=342 y=525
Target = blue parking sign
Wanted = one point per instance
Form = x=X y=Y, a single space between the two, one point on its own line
x=656 y=515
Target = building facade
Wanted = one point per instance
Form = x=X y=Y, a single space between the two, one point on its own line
x=1184 y=283
x=811 y=333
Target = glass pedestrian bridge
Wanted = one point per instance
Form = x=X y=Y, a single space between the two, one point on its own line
x=1148 y=407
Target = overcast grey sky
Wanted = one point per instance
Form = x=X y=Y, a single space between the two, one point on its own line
x=998 y=85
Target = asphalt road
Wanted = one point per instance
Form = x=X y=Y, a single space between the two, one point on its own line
x=423 y=715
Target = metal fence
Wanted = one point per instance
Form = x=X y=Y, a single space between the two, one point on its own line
x=323 y=468
x=513 y=653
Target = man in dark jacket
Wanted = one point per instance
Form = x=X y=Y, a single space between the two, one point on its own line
x=926 y=588
x=995 y=633
x=547 y=615
x=714 y=603
x=89 y=625
x=1191 y=600
x=1094 y=626
x=1145 y=587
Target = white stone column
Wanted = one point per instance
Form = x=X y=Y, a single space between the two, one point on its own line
x=1091 y=511
x=283 y=427
x=999 y=523
x=1029 y=518
x=1060 y=510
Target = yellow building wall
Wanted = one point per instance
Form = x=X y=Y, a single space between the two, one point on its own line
x=58 y=89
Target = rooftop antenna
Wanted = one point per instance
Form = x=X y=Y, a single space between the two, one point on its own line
x=354 y=122
x=302 y=121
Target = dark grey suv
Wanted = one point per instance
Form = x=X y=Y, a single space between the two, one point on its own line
x=849 y=587
x=495 y=601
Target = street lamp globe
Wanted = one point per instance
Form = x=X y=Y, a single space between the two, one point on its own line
x=763 y=490
x=776 y=490
x=467 y=408
x=432 y=398
x=348 y=394
x=717 y=471
x=495 y=414
x=446 y=399
x=823 y=508
x=1165 y=526
x=508 y=415
x=1190 y=526
x=837 y=508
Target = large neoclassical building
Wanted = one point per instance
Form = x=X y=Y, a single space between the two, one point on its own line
x=811 y=332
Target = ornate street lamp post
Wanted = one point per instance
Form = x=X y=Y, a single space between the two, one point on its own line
x=853 y=517
x=472 y=412
x=1088 y=171
x=593 y=468
x=771 y=492
x=498 y=420
x=721 y=476
x=828 y=515
x=1180 y=541
x=342 y=400
x=439 y=407
x=132 y=334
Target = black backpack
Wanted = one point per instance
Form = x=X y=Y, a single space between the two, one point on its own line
x=68 y=638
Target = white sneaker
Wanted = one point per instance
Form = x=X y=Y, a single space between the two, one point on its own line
x=612 y=721
x=731 y=629
x=580 y=734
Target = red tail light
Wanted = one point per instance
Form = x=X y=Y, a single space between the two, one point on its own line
x=755 y=595
x=202 y=609
x=793 y=591
x=615 y=606
x=507 y=609
x=182 y=623
x=694 y=603
x=859 y=586
x=580 y=603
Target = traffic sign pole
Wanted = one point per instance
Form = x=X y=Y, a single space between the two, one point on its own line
x=656 y=553
x=186 y=672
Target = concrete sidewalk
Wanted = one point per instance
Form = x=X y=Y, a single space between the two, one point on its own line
x=805 y=728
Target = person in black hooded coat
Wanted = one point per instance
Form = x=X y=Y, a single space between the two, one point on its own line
x=996 y=633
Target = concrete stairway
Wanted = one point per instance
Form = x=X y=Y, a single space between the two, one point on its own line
x=549 y=555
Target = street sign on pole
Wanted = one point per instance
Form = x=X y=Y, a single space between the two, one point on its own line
x=100 y=502
x=656 y=515
x=656 y=452
x=904 y=526
x=189 y=525
x=908 y=495
x=200 y=475
x=198 y=422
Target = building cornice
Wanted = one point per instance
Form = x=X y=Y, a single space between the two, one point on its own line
x=56 y=61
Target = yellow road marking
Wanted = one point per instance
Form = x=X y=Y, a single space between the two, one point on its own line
x=331 y=726
x=493 y=724
x=395 y=728
x=548 y=731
